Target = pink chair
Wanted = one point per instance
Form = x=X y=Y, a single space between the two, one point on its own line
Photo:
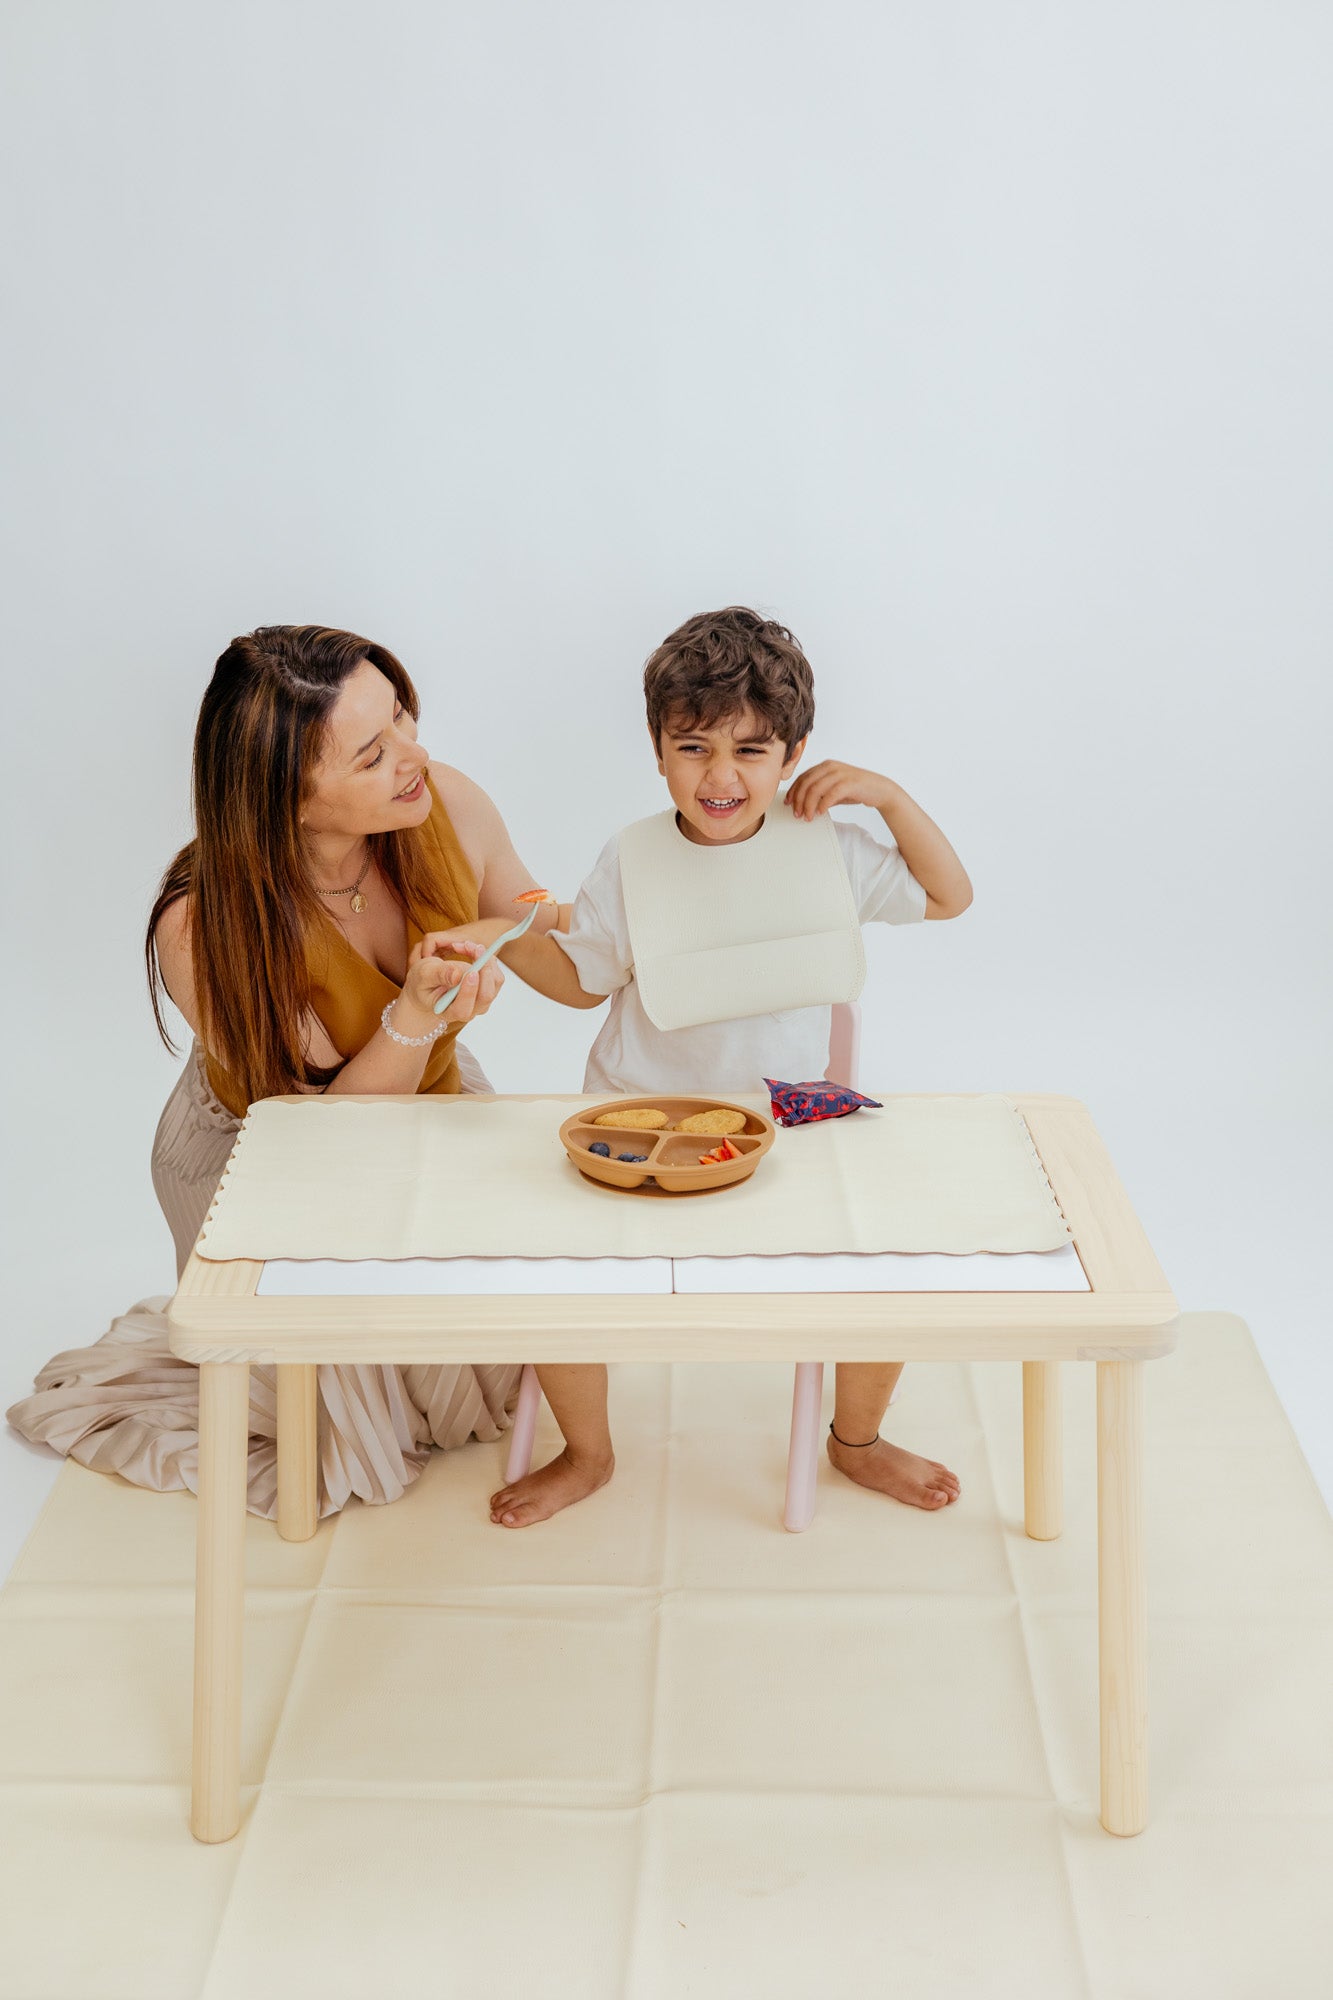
x=806 y=1407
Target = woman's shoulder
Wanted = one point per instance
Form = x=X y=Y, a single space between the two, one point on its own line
x=472 y=814
x=462 y=797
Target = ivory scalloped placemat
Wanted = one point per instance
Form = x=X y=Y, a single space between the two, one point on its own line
x=657 y=1747
x=344 y=1178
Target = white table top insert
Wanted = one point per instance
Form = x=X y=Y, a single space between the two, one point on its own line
x=460 y=1277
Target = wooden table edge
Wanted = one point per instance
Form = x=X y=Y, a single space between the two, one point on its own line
x=1128 y=1313
x=756 y=1326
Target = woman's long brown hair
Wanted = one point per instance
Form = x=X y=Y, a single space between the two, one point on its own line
x=259 y=737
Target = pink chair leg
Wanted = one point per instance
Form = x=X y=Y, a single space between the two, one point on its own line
x=525 y=1425
x=803 y=1453
x=844 y=1045
x=844 y=1065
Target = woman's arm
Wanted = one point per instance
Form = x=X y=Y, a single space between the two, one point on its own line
x=174 y=961
x=382 y=1065
x=501 y=878
x=501 y=875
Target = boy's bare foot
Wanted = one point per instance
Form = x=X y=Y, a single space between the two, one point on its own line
x=887 y=1468
x=544 y=1492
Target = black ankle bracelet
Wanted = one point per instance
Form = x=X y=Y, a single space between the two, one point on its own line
x=853 y=1447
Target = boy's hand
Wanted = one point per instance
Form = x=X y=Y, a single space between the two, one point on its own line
x=833 y=784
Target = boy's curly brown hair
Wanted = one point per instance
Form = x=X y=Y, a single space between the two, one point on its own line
x=720 y=662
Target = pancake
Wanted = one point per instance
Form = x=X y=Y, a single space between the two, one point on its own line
x=718 y=1124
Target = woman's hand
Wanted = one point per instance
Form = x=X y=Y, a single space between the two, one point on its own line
x=429 y=975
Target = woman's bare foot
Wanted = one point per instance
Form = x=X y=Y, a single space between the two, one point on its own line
x=544 y=1492
x=887 y=1468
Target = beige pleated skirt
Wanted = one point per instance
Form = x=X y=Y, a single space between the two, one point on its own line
x=127 y=1405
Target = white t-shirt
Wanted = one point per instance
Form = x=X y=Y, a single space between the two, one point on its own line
x=631 y=1056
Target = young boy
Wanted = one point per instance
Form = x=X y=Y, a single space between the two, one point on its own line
x=730 y=706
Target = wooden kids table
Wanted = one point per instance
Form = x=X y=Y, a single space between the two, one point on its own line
x=1126 y=1318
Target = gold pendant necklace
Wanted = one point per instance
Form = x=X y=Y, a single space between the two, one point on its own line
x=358 y=902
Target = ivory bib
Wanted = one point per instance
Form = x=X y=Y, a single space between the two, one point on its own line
x=719 y=933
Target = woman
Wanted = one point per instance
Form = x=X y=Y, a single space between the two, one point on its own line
x=298 y=934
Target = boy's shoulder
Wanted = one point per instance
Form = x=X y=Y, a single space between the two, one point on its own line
x=608 y=858
x=601 y=887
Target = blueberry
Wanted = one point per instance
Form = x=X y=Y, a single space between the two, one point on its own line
x=634 y=1159
x=600 y=1146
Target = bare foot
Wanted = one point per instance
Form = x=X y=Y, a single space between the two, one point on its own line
x=543 y=1493
x=887 y=1468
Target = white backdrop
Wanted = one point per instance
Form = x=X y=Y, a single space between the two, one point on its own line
x=987 y=346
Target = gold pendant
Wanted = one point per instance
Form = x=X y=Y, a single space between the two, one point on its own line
x=358 y=903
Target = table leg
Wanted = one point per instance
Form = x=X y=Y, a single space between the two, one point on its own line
x=1121 y=1598
x=298 y=1451
x=219 y=1598
x=1043 y=1451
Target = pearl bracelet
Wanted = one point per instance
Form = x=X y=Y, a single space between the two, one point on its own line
x=411 y=1041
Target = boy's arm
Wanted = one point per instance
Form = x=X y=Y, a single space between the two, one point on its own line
x=540 y=963
x=501 y=878
x=537 y=961
x=923 y=847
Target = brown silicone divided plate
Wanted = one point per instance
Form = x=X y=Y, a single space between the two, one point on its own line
x=672 y=1162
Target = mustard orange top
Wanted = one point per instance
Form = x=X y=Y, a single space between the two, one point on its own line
x=349 y=993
